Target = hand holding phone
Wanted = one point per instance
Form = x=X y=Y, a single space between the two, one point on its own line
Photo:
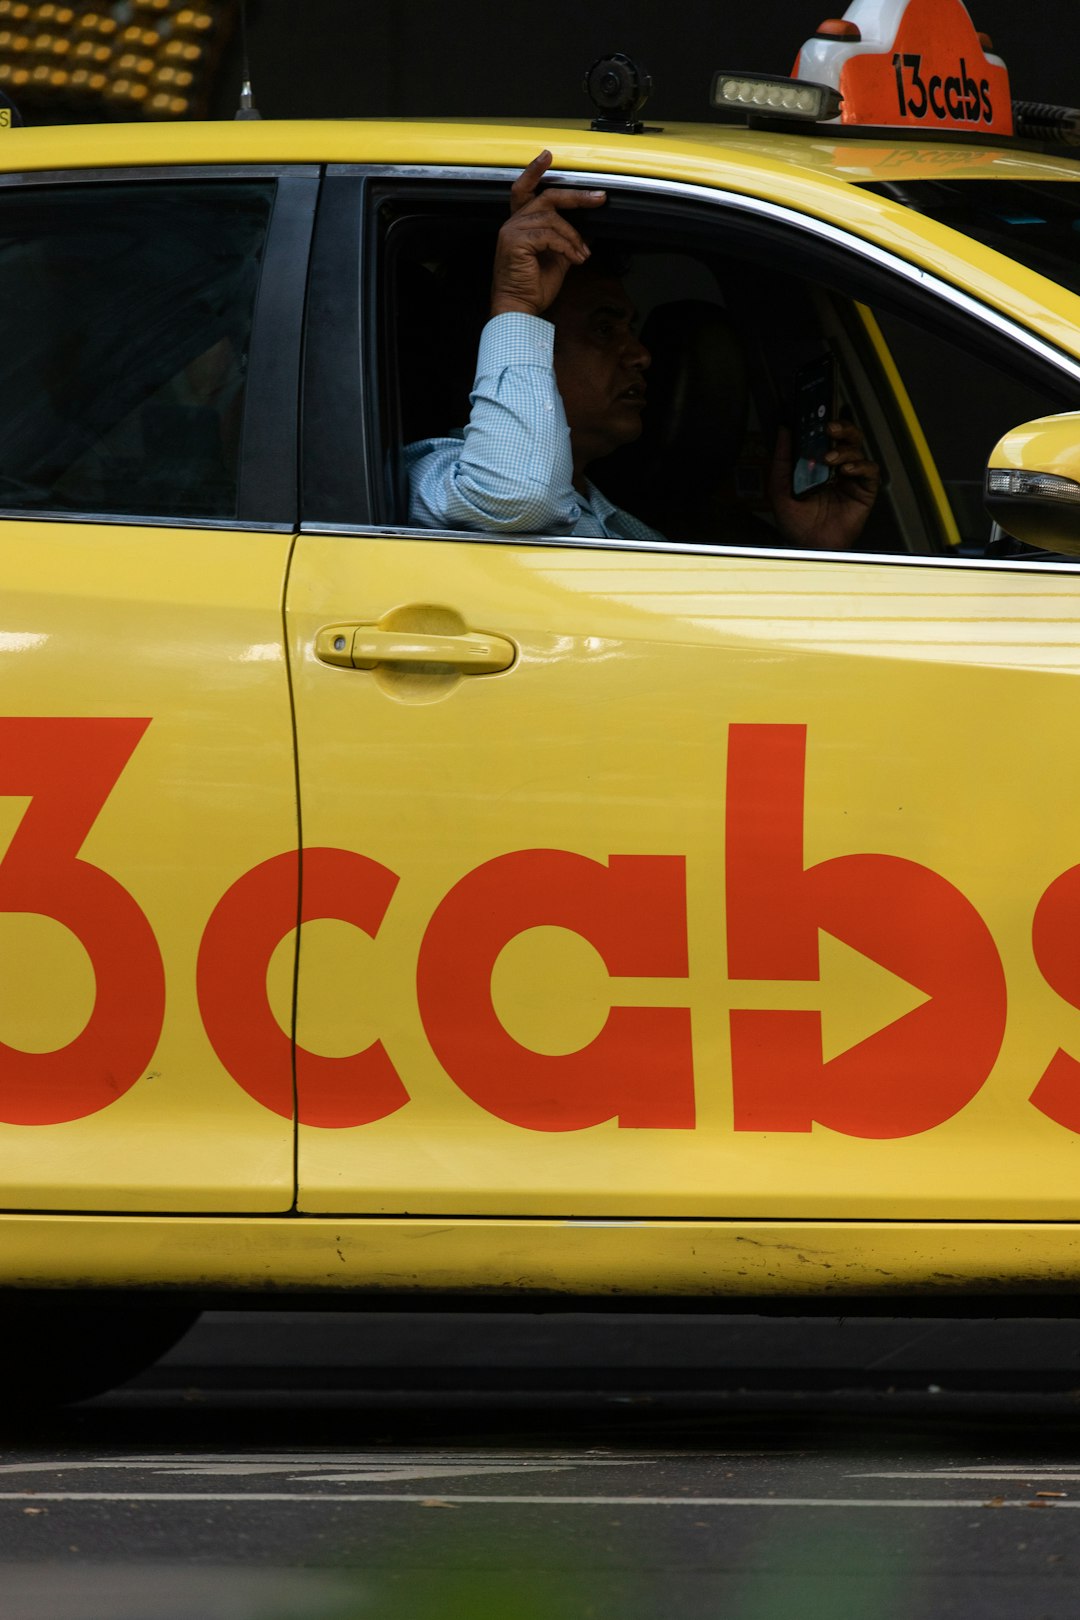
x=815 y=408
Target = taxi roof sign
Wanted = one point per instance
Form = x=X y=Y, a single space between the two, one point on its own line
x=911 y=64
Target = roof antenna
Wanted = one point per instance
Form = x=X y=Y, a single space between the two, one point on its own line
x=247 y=107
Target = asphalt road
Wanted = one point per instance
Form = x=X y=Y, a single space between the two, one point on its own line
x=330 y=1468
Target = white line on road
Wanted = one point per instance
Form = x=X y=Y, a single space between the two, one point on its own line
x=1010 y=1475
x=375 y=1465
x=687 y=1501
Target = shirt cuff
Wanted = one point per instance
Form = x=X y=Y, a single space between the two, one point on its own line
x=515 y=340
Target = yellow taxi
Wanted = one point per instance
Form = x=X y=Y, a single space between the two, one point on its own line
x=388 y=909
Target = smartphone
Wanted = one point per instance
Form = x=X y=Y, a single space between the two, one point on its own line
x=815 y=408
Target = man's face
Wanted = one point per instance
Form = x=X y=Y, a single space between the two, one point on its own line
x=600 y=364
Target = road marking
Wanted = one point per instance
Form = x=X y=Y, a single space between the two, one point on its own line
x=524 y=1500
x=372 y=1476
x=1009 y=1473
x=283 y=1463
x=326 y=1470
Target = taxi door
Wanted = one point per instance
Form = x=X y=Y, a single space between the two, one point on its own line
x=676 y=881
x=147 y=490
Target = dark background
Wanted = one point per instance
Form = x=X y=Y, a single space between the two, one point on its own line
x=491 y=58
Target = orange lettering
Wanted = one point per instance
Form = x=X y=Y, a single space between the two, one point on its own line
x=1054 y=937
x=906 y=1078
x=246 y=926
x=640 y=1068
x=69 y=767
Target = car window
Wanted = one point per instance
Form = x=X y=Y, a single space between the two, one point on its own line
x=963 y=403
x=730 y=309
x=125 y=321
x=1035 y=224
x=724 y=350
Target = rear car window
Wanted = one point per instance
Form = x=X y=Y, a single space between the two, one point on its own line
x=125 y=322
x=1037 y=224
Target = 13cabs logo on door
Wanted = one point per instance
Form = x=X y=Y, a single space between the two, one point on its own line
x=907 y=1078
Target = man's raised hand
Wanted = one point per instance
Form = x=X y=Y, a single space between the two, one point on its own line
x=537 y=246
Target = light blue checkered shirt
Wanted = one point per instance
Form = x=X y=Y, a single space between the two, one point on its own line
x=510 y=470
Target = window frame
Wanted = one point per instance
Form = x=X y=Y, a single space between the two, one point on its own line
x=268 y=467
x=875 y=275
x=338 y=444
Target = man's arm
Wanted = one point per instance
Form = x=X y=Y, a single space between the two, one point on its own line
x=512 y=472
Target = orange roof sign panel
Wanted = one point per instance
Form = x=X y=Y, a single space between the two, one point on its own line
x=914 y=64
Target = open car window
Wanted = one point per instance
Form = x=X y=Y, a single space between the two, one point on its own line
x=729 y=316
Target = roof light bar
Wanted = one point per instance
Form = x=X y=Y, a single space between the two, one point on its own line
x=776 y=97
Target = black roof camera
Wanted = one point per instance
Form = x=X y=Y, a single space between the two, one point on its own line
x=618 y=88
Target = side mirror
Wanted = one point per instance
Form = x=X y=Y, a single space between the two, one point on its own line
x=1033 y=483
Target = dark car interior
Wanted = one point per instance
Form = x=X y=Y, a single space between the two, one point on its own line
x=728 y=320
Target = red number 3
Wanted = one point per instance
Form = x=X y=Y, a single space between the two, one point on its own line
x=69 y=768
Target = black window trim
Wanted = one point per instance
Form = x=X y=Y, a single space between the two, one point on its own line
x=338 y=448
x=270 y=442
x=268 y=487
x=126 y=173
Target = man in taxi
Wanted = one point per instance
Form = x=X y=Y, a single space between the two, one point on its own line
x=562 y=381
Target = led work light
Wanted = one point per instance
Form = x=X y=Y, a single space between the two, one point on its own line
x=778 y=97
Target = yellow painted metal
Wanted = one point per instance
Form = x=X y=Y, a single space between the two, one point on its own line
x=928 y=466
x=367 y=645
x=686 y=150
x=609 y=737
x=1049 y=445
x=181 y=627
x=817 y=175
x=796 y=1259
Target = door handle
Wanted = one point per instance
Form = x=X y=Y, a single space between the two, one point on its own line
x=365 y=646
